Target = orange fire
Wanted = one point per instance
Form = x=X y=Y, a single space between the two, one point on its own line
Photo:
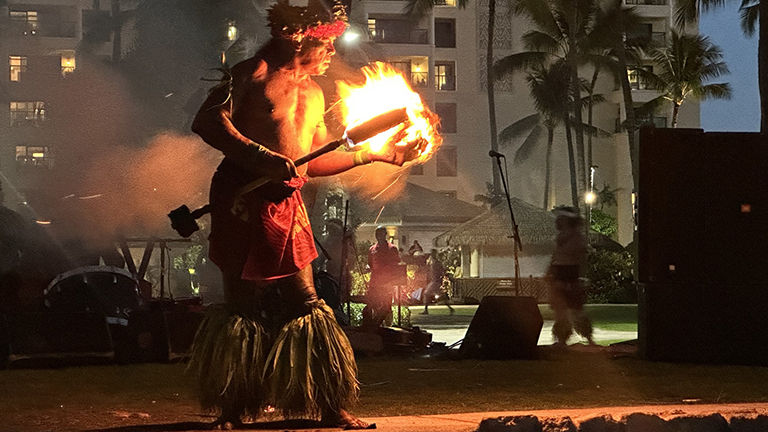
x=386 y=89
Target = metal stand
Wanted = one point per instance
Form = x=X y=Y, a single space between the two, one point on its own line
x=344 y=272
x=517 y=247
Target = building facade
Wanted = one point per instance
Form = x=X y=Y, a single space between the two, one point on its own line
x=444 y=55
x=39 y=45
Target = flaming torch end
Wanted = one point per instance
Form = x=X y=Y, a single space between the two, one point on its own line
x=376 y=125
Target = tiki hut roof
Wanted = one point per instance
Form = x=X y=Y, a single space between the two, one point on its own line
x=493 y=227
x=417 y=204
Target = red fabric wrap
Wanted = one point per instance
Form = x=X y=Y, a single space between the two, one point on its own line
x=275 y=242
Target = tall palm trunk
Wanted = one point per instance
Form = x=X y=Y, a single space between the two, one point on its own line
x=762 y=63
x=675 y=112
x=117 y=30
x=491 y=93
x=590 y=119
x=571 y=161
x=578 y=128
x=548 y=166
x=629 y=106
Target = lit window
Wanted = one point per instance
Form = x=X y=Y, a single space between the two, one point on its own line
x=420 y=72
x=18 y=64
x=27 y=113
x=445 y=75
x=231 y=31
x=39 y=156
x=372 y=27
x=67 y=62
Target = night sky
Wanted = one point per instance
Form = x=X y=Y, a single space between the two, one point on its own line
x=742 y=111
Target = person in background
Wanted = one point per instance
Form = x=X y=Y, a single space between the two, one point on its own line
x=415 y=247
x=567 y=295
x=436 y=289
x=384 y=263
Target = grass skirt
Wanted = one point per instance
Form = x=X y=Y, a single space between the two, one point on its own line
x=309 y=370
x=228 y=358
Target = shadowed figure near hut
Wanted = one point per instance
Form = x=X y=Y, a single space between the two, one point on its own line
x=274 y=343
x=567 y=295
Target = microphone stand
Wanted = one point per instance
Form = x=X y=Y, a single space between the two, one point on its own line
x=345 y=284
x=517 y=247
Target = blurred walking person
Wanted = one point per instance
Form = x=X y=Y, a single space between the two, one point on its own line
x=567 y=296
x=436 y=289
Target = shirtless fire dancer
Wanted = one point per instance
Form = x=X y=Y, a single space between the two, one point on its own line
x=246 y=353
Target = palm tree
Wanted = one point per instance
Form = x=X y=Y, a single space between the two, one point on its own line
x=609 y=32
x=549 y=89
x=754 y=17
x=683 y=67
x=112 y=24
x=419 y=8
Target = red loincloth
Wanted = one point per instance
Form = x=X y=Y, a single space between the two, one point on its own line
x=275 y=242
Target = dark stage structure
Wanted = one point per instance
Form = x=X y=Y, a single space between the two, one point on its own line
x=702 y=230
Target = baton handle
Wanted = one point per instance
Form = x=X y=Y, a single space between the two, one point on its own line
x=261 y=181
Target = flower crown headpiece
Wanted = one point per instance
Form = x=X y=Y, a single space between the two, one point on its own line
x=316 y=20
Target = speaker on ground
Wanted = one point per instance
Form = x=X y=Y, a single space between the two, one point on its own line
x=504 y=327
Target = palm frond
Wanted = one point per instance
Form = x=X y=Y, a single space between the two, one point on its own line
x=519 y=128
x=749 y=16
x=519 y=61
x=526 y=149
x=715 y=91
x=652 y=106
x=536 y=40
x=418 y=9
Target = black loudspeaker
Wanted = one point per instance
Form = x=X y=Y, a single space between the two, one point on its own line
x=703 y=323
x=504 y=328
x=41 y=338
x=180 y=329
x=702 y=207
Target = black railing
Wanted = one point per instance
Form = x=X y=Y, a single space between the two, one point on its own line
x=647 y=2
x=419 y=79
x=415 y=36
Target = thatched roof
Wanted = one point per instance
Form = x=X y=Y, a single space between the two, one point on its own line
x=417 y=204
x=493 y=227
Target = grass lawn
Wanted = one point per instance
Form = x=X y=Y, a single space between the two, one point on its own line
x=617 y=317
x=91 y=397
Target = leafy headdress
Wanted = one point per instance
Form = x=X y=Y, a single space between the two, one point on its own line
x=316 y=20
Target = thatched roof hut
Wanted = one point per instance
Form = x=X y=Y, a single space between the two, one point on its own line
x=417 y=213
x=494 y=227
x=416 y=204
x=487 y=245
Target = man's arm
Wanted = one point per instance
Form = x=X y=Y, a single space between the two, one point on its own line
x=336 y=162
x=213 y=123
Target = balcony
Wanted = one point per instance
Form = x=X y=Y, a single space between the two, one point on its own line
x=415 y=36
x=420 y=79
x=646 y=2
x=54 y=30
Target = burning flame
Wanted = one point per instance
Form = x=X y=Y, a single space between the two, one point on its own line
x=386 y=89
